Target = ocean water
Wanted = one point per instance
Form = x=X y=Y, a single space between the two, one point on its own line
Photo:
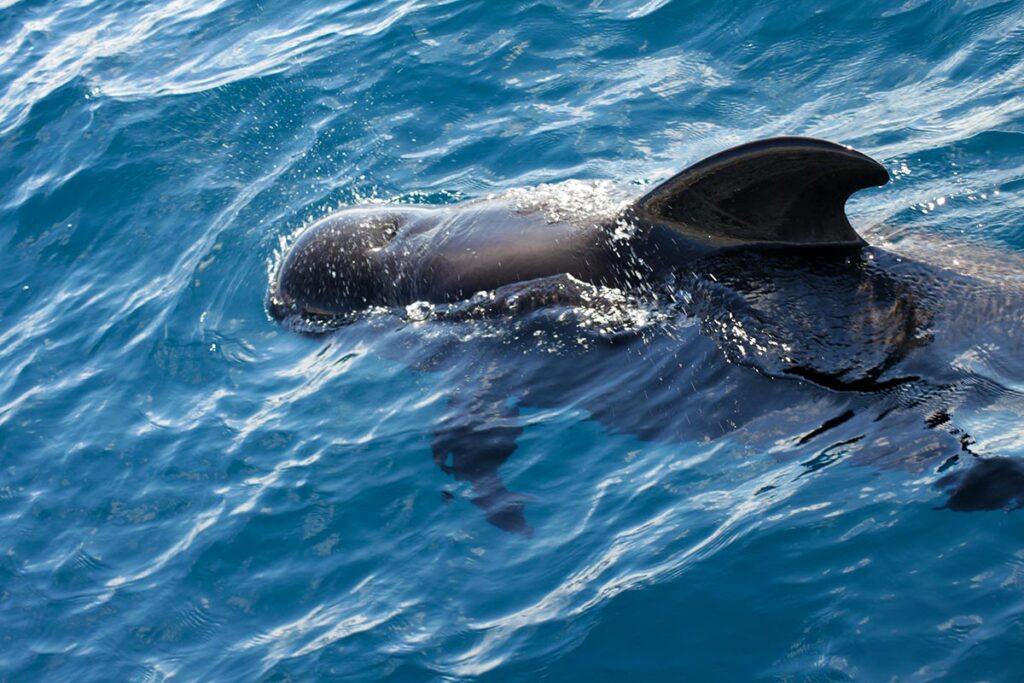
x=190 y=491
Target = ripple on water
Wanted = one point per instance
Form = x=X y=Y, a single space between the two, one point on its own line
x=188 y=490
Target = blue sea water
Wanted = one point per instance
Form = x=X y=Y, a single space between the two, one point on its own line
x=190 y=491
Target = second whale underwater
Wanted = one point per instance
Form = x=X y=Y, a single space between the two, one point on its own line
x=777 y=322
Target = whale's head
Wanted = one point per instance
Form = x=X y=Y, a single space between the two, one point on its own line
x=340 y=264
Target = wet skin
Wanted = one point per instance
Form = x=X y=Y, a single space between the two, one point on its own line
x=837 y=343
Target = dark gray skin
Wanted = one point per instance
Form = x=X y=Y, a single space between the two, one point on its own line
x=395 y=255
x=762 y=230
x=783 y=192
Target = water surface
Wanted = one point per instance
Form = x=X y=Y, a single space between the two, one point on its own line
x=189 y=491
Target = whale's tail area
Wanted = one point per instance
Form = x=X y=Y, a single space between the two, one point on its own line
x=783 y=191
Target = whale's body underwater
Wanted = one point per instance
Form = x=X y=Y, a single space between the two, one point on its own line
x=774 y=319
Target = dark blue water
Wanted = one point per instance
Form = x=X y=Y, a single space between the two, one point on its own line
x=190 y=491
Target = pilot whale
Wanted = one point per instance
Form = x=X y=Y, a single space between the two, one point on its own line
x=800 y=323
x=782 y=192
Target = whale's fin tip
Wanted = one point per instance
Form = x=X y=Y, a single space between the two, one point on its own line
x=789 y=191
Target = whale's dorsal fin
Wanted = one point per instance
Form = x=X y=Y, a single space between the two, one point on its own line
x=787 y=190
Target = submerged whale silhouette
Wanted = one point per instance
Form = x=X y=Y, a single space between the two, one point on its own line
x=768 y=301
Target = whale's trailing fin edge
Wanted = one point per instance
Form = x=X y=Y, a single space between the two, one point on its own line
x=787 y=190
